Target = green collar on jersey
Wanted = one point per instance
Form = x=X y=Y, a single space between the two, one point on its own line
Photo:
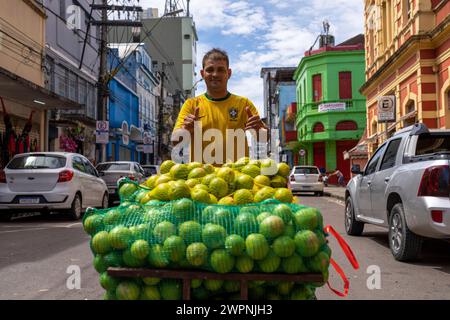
x=219 y=99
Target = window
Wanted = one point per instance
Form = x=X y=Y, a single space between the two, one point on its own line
x=372 y=165
x=77 y=164
x=73 y=87
x=317 y=87
x=89 y=168
x=428 y=143
x=113 y=167
x=345 y=85
x=318 y=127
x=61 y=80
x=346 y=126
x=37 y=162
x=407 y=10
x=390 y=155
x=306 y=170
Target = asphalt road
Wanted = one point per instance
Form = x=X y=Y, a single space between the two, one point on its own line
x=39 y=257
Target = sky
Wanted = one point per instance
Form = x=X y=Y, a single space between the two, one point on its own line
x=267 y=33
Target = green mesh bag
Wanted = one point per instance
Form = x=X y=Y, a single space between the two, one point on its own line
x=265 y=237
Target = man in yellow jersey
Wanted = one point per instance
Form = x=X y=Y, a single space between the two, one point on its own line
x=217 y=109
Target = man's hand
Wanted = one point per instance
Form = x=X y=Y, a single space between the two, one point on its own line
x=253 y=122
x=188 y=122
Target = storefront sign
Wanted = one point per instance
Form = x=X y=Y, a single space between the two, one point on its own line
x=334 y=106
x=102 y=132
x=386 y=109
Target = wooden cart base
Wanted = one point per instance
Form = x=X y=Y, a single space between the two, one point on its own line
x=188 y=275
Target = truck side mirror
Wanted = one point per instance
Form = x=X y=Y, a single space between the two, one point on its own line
x=356 y=169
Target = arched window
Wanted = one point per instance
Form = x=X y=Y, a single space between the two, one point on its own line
x=318 y=127
x=373 y=128
x=346 y=125
x=409 y=108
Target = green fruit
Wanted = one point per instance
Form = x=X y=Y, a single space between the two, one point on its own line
x=257 y=246
x=213 y=236
x=245 y=224
x=307 y=219
x=150 y=293
x=226 y=201
x=166 y=166
x=206 y=180
x=200 y=195
x=100 y=264
x=162 y=192
x=190 y=232
x=180 y=190
x=226 y=174
x=271 y=227
x=92 y=224
x=213 y=285
x=151 y=182
x=307 y=243
x=283 y=169
x=278 y=182
x=100 y=243
x=243 y=196
x=126 y=190
x=289 y=230
x=207 y=214
x=110 y=295
x=284 y=212
x=301 y=293
x=140 y=249
x=131 y=261
x=113 y=259
x=197 y=173
x=293 y=264
x=111 y=217
x=244 y=181
x=284 y=288
x=170 y=289
x=268 y=167
x=192 y=182
x=209 y=168
x=283 y=195
x=194 y=165
x=284 y=246
x=197 y=254
x=244 y=264
x=127 y=290
x=175 y=248
x=235 y=245
x=270 y=263
x=119 y=237
x=179 y=171
x=318 y=263
x=223 y=217
x=232 y=286
x=262 y=216
x=251 y=170
x=183 y=209
x=107 y=282
x=163 y=230
x=157 y=256
x=196 y=283
x=218 y=187
x=264 y=194
x=262 y=180
x=221 y=261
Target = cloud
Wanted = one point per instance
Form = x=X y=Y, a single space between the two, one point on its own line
x=250 y=87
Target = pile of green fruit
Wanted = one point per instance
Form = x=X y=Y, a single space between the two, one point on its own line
x=264 y=237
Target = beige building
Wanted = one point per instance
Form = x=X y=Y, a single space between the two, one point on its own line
x=407 y=56
x=22 y=45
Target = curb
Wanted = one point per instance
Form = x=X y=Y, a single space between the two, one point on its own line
x=333 y=195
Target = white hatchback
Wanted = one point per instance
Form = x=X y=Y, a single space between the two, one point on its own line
x=50 y=181
x=306 y=179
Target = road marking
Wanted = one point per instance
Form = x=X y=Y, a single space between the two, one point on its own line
x=73 y=224
x=11 y=231
x=48 y=226
x=337 y=201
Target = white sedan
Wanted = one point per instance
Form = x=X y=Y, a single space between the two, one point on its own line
x=50 y=181
x=306 y=179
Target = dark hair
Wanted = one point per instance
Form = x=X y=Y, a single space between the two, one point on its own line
x=216 y=54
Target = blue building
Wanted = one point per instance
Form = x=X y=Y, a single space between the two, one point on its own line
x=123 y=112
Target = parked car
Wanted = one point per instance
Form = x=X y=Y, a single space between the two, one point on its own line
x=111 y=172
x=50 y=181
x=404 y=187
x=306 y=179
x=150 y=169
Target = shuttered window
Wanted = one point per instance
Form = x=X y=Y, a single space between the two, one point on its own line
x=345 y=85
x=317 y=87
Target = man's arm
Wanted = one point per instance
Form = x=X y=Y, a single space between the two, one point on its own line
x=185 y=121
x=254 y=122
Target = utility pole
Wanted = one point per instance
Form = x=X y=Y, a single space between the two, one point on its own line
x=104 y=76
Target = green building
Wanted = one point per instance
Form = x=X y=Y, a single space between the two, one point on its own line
x=331 y=113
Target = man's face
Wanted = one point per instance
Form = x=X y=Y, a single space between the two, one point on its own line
x=216 y=74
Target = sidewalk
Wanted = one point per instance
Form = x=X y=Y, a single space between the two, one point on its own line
x=334 y=192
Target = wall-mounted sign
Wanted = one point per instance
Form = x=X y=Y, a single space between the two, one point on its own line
x=386 y=109
x=333 y=106
x=102 y=132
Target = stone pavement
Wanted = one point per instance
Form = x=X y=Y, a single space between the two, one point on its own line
x=334 y=192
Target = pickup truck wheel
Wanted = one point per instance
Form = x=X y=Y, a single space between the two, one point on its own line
x=404 y=244
x=352 y=227
x=76 y=209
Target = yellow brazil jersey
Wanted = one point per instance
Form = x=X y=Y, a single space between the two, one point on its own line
x=227 y=115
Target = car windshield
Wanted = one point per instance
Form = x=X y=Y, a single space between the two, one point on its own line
x=113 y=167
x=432 y=143
x=310 y=170
x=37 y=161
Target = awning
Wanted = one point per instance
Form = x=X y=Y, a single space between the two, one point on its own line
x=20 y=90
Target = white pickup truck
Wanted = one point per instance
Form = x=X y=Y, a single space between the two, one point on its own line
x=404 y=187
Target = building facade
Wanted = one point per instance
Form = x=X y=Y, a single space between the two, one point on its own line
x=25 y=101
x=72 y=71
x=331 y=115
x=407 y=56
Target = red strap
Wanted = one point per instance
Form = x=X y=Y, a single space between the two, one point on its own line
x=351 y=257
x=345 y=247
x=344 y=278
